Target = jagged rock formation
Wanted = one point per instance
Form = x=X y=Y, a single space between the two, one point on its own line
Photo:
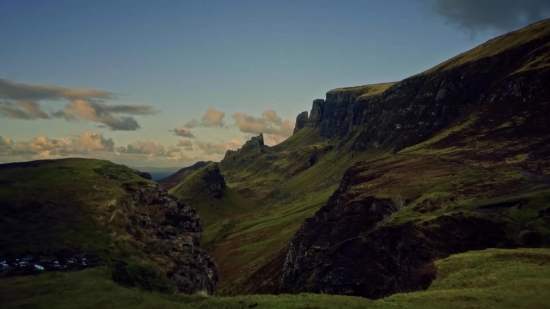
x=345 y=248
x=178 y=236
x=251 y=150
x=205 y=181
x=301 y=121
x=507 y=68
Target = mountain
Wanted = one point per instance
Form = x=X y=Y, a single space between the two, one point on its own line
x=430 y=192
x=465 y=141
x=73 y=214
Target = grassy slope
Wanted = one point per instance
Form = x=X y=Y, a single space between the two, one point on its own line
x=50 y=205
x=243 y=245
x=416 y=173
x=191 y=190
x=501 y=44
x=79 y=205
x=483 y=279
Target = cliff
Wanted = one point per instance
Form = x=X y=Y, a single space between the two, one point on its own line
x=512 y=67
x=111 y=217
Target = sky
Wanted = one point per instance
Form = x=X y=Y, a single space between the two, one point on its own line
x=170 y=82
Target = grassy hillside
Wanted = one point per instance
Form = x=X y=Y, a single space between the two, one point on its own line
x=79 y=213
x=482 y=279
x=205 y=188
x=172 y=180
x=47 y=205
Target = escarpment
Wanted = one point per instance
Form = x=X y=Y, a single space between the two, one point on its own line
x=510 y=68
x=349 y=247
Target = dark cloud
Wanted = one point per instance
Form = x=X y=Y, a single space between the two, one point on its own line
x=21 y=101
x=28 y=110
x=17 y=91
x=506 y=15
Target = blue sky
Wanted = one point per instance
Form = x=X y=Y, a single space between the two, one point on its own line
x=181 y=58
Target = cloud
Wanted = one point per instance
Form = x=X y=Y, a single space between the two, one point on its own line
x=212 y=118
x=30 y=92
x=103 y=113
x=21 y=101
x=270 y=123
x=96 y=141
x=479 y=15
x=28 y=110
x=209 y=148
x=92 y=145
x=187 y=145
x=183 y=131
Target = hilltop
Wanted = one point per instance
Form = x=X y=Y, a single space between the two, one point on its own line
x=72 y=214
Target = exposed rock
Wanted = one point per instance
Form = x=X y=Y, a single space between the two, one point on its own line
x=178 y=236
x=316 y=115
x=214 y=181
x=410 y=111
x=344 y=248
x=301 y=121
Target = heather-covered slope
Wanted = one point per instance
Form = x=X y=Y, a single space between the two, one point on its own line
x=476 y=174
x=469 y=147
x=72 y=214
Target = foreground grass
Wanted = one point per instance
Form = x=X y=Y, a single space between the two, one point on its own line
x=492 y=278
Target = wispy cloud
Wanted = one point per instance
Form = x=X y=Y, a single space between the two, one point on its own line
x=22 y=101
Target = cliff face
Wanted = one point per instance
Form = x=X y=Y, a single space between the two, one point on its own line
x=511 y=67
x=348 y=248
x=177 y=233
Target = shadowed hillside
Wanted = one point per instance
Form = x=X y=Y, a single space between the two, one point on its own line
x=73 y=214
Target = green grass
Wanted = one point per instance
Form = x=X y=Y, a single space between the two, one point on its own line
x=492 y=278
x=499 y=45
x=79 y=205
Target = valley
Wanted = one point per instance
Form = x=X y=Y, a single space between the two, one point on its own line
x=430 y=192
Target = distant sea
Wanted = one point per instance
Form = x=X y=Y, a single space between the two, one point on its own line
x=159 y=175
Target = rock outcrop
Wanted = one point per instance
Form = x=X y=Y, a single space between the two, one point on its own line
x=347 y=249
x=405 y=113
x=301 y=121
x=178 y=237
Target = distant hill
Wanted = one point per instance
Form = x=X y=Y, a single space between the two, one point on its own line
x=176 y=177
